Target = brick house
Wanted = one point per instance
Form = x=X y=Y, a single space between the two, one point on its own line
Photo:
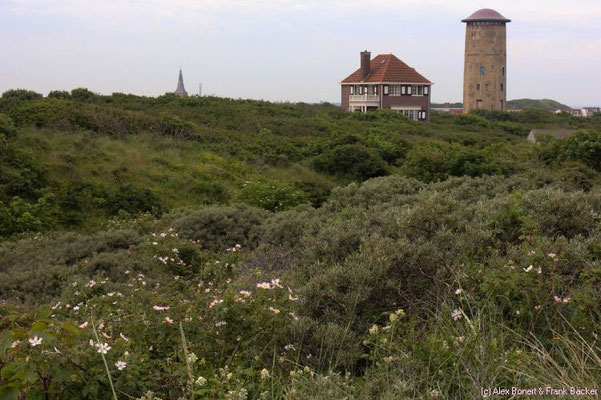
x=387 y=82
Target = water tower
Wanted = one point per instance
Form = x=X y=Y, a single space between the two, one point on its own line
x=485 y=68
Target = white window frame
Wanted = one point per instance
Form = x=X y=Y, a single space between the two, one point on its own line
x=426 y=90
x=386 y=89
x=352 y=90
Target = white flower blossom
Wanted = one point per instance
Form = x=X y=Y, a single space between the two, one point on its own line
x=456 y=314
x=103 y=347
x=34 y=341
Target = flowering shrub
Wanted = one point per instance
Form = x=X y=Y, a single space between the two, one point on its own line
x=271 y=196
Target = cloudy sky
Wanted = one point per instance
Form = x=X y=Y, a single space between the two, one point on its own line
x=288 y=50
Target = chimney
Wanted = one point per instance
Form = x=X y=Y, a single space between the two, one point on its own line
x=365 y=64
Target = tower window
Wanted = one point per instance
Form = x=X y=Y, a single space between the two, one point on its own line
x=477 y=86
x=501 y=87
x=481 y=70
x=503 y=70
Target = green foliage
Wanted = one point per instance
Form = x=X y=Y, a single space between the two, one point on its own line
x=133 y=201
x=271 y=196
x=20 y=216
x=470 y=119
x=20 y=174
x=7 y=128
x=82 y=94
x=304 y=303
x=16 y=95
x=60 y=94
x=218 y=228
x=584 y=146
x=435 y=161
x=352 y=161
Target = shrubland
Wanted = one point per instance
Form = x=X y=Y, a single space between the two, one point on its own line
x=229 y=249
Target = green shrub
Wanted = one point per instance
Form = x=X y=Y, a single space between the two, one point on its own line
x=218 y=228
x=317 y=193
x=133 y=200
x=36 y=270
x=7 y=128
x=20 y=95
x=83 y=94
x=352 y=161
x=470 y=119
x=436 y=161
x=60 y=94
x=584 y=146
x=271 y=196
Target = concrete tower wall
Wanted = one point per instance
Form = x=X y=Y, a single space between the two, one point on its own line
x=485 y=69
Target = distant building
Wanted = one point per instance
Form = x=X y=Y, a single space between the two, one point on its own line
x=584 y=112
x=536 y=134
x=387 y=83
x=446 y=108
x=591 y=110
x=180 y=91
x=485 y=68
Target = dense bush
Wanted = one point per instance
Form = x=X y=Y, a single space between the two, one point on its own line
x=436 y=161
x=82 y=94
x=351 y=161
x=60 y=94
x=218 y=228
x=37 y=270
x=133 y=201
x=271 y=196
x=20 y=174
x=7 y=129
x=584 y=146
x=20 y=95
x=470 y=119
x=19 y=216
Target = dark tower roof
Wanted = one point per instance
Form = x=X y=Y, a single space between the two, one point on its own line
x=180 y=85
x=486 y=14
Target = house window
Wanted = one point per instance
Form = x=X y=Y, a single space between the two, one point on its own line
x=403 y=89
x=352 y=90
x=417 y=90
x=385 y=89
x=395 y=90
x=409 y=90
x=426 y=90
x=481 y=70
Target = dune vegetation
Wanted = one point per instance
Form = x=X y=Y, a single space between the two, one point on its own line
x=210 y=248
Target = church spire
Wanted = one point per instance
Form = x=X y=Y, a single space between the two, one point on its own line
x=180 y=91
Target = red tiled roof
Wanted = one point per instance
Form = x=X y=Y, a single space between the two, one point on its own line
x=486 y=14
x=387 y=68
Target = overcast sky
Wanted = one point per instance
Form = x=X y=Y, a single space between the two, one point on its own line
x=289 y=50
